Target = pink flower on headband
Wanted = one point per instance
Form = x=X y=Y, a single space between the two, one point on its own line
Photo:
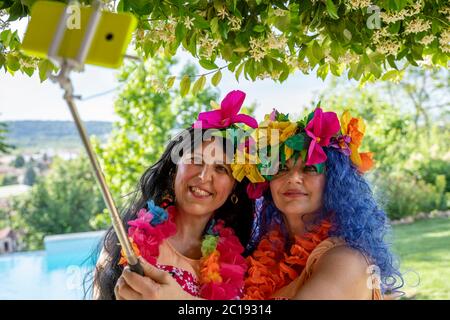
x=227 y=114
x=321 y=128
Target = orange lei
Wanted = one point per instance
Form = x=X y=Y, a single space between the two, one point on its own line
x=271 y=268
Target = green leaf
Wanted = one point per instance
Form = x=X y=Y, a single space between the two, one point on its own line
x=141 y=7
x=332 y=11
x=28 y=71
x=320 y=167
x=193 y=44
x=216 y=78
x=215 y=25
x=375 y=70
x=391 y=61
x=17 y=11
x=44 y=67
x=239 y=71
x=185 y=84
x=296 y=142
x=435 y=26
x=200 y=22
x=322 y=71
x=120 y=6
x=170 y=82
x=2 y=60
x=208 y=65
x=12 y=63
x=317 y=51
x=392 y=74
x=198 y=85
x=336 y=70
x=259 y=28
x=394 y=28
x=180 y=31
x=6 y=37
x=227 y=52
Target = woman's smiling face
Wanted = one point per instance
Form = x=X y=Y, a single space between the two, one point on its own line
x=204 y=180
x=298 y=189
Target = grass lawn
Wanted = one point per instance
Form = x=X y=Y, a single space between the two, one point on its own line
x=424 y=251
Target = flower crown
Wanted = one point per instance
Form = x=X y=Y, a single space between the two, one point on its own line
x=279 y=136
x=305 y=138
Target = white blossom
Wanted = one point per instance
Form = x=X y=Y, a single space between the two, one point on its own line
x=208 y=45
x=222 y=13
x=235 y=23
x=444 y=41
x=389 y=47
x=427 y=39
x=280 y=12
x=304 y=67
x=277 y=43
x=257 y=48
x=348 y=58
x=189 y=22
x=359 y=4
x=417 y=25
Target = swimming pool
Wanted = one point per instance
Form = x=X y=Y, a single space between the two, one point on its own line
x=55 y=273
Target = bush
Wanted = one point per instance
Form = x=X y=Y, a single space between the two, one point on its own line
x=62 y=202
x=430 y=170
x=404 y=195
x=8 y=179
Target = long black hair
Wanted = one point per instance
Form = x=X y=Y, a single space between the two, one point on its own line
x=154 y=184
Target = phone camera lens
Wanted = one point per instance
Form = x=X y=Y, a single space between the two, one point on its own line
x=109 y=36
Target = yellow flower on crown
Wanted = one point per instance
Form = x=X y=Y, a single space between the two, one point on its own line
x=245 y=165
x=355 y=128
x=266 y=133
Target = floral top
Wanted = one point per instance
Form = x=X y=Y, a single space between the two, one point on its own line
x=183 y=269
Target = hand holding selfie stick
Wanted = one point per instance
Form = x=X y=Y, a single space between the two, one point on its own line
x=63 y=78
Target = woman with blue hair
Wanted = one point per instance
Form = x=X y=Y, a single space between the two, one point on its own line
x=319 y=233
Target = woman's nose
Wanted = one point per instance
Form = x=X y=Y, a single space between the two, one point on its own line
x=206 y=173
x=295 y=177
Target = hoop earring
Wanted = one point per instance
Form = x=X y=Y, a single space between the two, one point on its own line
x=234 y=199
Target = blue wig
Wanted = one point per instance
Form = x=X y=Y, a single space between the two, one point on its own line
x=349 y=204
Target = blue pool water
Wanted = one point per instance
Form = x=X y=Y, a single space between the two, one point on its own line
x=55 y=273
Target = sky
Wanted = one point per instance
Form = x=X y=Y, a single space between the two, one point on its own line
x=26 y=98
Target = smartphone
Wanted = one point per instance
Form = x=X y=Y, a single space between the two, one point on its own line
x=109 y=44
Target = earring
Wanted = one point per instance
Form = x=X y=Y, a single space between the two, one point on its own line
x=234 y=198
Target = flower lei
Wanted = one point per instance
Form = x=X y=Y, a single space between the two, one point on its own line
x=222 y=268
x=271 y=268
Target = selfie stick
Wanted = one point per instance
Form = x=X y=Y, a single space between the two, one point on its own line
x=67 y=65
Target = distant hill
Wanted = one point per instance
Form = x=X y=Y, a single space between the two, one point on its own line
x=52 y=134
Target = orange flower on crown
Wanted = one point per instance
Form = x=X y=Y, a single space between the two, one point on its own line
x=355 y=128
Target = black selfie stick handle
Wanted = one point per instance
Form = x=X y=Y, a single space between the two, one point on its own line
x=137 y=268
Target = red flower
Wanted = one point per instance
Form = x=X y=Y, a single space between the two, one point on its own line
x=227 y=114
x=321 y=128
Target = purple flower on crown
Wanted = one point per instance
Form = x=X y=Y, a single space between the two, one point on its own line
x=341 y=143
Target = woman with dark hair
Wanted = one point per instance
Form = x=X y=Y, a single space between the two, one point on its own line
x=318 y=232
x=191 y=218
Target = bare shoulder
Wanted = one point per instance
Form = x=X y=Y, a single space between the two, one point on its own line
x=341 y=273
x=343 y=258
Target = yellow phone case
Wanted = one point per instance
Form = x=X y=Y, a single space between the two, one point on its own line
x=108 y=46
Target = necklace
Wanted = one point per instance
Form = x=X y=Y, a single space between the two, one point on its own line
x=271 y=268
x=222 y=267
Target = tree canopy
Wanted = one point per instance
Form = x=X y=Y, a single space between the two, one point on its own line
x=365 y=39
